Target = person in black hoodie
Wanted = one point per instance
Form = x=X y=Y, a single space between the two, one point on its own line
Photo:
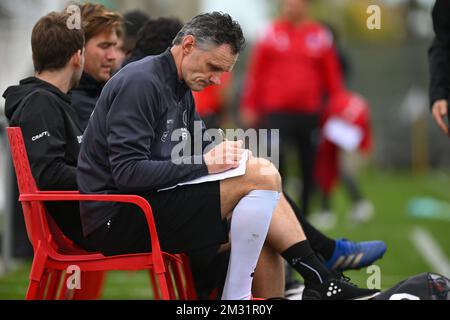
x=439 y=61
x=102 y=29
x=41 y=107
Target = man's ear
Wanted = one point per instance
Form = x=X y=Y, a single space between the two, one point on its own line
x=188 y=44
x=77 y=59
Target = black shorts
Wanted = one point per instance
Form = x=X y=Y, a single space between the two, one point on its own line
x=188 y=219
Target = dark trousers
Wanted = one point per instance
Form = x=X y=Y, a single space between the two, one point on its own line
x=300 y=131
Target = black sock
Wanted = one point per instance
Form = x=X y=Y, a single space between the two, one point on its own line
x=320 y=243
x=303 y=259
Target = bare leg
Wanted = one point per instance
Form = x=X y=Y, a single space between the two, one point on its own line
x=234 y=189
x=285 y=230
x=285 y=236
x=252 y=198
x=268 y=281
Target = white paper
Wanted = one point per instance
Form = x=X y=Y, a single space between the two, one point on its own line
x=236 y=172
x=345 y=135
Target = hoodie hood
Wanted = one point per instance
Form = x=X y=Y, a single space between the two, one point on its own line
x=15 y=94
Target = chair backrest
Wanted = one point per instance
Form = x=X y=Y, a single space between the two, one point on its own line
x=25 y=179
x=34 y=213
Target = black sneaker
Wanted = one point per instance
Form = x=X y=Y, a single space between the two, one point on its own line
x=339 y=288
x=294 y=290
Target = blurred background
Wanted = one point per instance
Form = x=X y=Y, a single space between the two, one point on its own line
x=406 y=178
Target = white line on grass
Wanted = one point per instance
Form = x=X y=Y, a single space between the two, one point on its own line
x=431 y=251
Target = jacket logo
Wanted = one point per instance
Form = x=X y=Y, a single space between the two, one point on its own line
x=80 y=139
x=41 y=135
x=169 y=128
x=184 y=134
x=317 y=42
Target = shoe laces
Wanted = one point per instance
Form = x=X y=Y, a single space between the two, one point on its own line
x=343 y=278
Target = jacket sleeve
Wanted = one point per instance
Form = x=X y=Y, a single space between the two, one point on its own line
x=439 y=53
x=130 y=125
x=332 y=70
x=44 y=134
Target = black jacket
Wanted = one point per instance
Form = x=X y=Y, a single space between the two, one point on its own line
x=52 y=137
x=127 y=145
x=50 y=129
x=135 y=56
x=439 y=53
x=84 y=97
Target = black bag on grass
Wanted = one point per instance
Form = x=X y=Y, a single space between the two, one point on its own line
x=425 y=286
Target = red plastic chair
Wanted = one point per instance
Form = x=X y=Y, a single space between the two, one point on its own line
x=54 y=253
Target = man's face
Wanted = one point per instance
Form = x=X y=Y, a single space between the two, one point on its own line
x=294 y=9
x=101 y=55
x=121 y=55
x=204 y=67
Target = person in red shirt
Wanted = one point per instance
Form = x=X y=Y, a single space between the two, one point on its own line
x=292 y=67
x=345 y=129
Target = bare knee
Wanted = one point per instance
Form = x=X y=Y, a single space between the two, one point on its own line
x=261 y=174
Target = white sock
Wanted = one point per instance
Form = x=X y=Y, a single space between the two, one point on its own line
x=249 y=226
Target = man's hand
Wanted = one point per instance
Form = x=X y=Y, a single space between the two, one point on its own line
x=224 y=156
x=440 y=110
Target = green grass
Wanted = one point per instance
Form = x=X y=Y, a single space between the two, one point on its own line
x=120 y=285
x=389 y=192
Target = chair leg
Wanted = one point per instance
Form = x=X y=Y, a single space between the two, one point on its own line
x=42 y=286
x=162 y=279
x=33 y=290
x=91 y=285
x=38 y=276
x=55 y=279
x=63 y=293
x=177 y=274
x=156 y=293
x=190 y=285
x=169 y=279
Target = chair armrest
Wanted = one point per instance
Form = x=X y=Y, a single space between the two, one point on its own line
x=132 y=199
x=58 y=192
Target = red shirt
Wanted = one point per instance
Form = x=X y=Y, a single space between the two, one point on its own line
x=210 y=100
x=351 y=108
x=291 y=68
x=355 y=110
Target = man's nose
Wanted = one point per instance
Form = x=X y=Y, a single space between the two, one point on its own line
x=215 y=79
x=111 y=54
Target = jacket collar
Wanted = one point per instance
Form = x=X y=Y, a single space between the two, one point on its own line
x=178 y=86
x=90 y=85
